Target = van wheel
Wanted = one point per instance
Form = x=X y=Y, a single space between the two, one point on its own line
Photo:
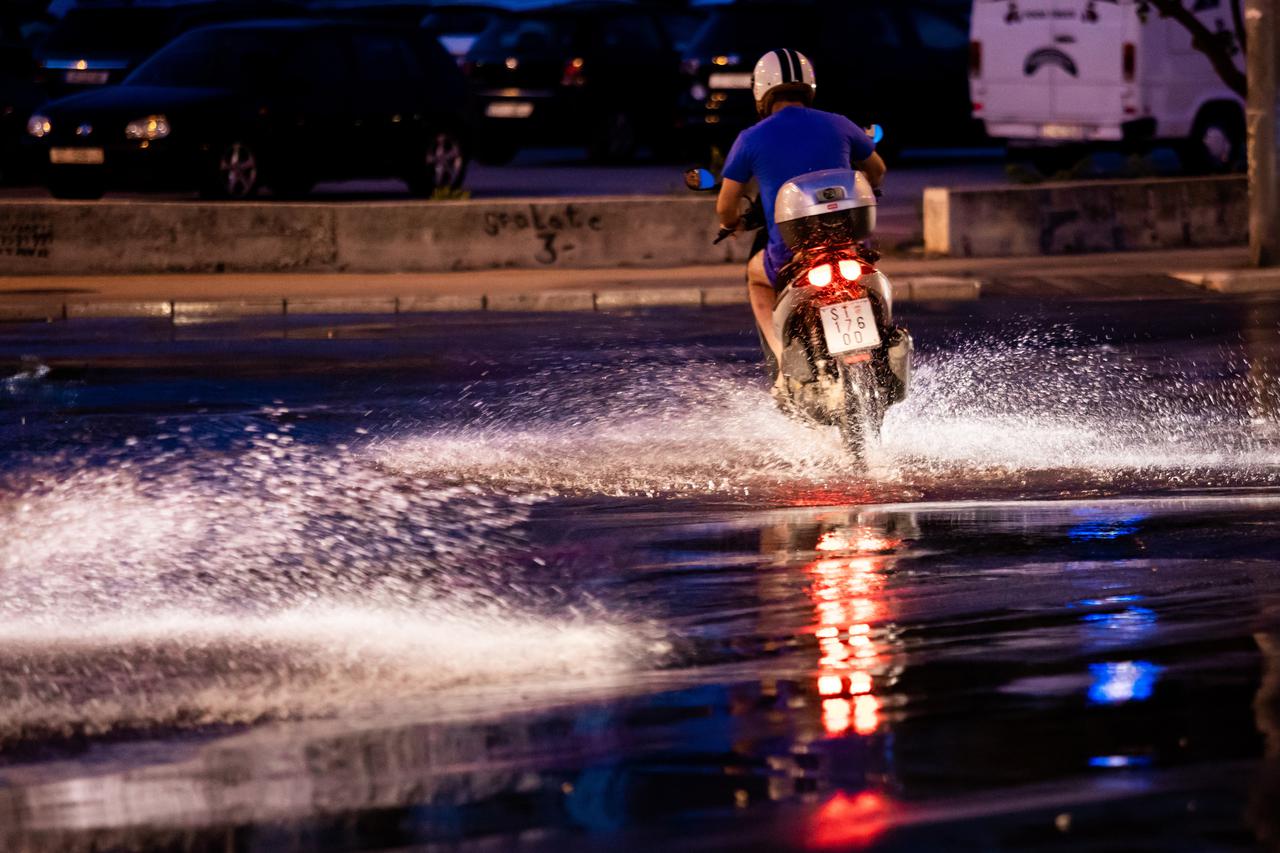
x=1217 y=141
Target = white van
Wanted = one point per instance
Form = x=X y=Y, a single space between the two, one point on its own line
x=1050 y=72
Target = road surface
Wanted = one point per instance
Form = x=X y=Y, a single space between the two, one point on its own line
x=571 y=582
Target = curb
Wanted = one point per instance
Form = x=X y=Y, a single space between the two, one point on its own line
x=180 y=312
x=1234 y=282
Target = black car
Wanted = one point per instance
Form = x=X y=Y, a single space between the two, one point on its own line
x=229 y=108
x=902 y=64
x=97 y=45
x=602 y=75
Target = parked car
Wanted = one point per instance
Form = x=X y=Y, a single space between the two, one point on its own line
x=229 y=108
x=1049 y=76
x=23 y=26
x=602 y=75
x=99 y=44
x=901 y=65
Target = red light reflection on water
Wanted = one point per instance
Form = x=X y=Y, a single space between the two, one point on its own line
x=845 y=592
x=849 y=821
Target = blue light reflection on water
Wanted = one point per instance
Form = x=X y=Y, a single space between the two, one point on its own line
x=1119 y=682
x=1112 y=762
x=1105 y=529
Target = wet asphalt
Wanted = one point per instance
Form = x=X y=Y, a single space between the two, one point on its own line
x=557 y=582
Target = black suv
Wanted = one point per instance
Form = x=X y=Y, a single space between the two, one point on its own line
x=604 y=74
x=903 y=65
x=284 y=103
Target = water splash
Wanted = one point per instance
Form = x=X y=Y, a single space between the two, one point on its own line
x=181 y=668
x=164 y=584
x=979 y=411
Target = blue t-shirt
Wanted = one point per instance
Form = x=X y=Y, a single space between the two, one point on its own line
x=789 y=143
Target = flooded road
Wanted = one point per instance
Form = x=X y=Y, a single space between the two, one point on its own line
x=488 y=582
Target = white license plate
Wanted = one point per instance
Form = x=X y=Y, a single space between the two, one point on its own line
x=509 y=109
x=850 y=326
x=91 y=78
x=730 y=81
x=77 y=156
x=1061 y=131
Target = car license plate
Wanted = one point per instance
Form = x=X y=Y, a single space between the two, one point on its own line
x=730 y=81
x=850 y=326
x=1061 y=131
x=92 y=78
x=509 y=109
x=77 y=156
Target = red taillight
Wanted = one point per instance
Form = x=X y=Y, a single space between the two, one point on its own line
x=850 y=270
x=573 y=73
x=820 y=276
x=1130 y=61
x=975 y=59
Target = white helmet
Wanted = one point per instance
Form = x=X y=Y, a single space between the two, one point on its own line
x=779 y=68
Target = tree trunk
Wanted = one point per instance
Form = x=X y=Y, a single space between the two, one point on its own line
x=1264 y=224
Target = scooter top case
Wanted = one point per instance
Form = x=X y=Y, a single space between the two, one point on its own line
x=828 y=208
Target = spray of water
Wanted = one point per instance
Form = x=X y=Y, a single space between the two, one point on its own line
x=152 y=586
x=985 y=414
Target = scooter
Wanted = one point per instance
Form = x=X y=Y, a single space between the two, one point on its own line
x=844 y=361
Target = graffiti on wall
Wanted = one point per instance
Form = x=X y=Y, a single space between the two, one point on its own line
x=25 y=234
x=554 y=227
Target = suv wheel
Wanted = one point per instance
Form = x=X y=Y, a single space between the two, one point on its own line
x=443 y=165
x=234 y=173
x=615 y=140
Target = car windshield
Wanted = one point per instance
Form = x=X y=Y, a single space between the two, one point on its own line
x=526 y=35
x=221 y=58
x=117 y=30
x=749 y=31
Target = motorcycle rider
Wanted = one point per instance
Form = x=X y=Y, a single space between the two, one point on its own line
x=791 y=139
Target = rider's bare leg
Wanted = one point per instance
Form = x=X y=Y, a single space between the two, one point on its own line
x=763 y=297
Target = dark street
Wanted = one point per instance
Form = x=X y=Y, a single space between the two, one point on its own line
x=399 y=585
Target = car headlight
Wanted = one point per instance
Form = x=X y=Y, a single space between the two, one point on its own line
x=39 y=126
x=151 y=127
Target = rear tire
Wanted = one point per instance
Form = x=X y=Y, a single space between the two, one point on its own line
x=862 y=414
x=615 y=139
x=1217 y=142
x=441 y=165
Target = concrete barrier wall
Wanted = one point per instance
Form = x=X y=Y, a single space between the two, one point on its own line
x=128 y=237
x=1094 y=216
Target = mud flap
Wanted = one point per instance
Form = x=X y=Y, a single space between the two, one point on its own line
x=901 y=351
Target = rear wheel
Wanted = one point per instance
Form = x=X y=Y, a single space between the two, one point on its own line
x=1217 y=142
x=862 y=413
x=615 y=138
x=441 y=165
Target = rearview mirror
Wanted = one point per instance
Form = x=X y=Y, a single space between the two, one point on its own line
x=700 y=180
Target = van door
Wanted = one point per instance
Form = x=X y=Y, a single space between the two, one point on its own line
x=1093 y=68
x=1013 y=93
